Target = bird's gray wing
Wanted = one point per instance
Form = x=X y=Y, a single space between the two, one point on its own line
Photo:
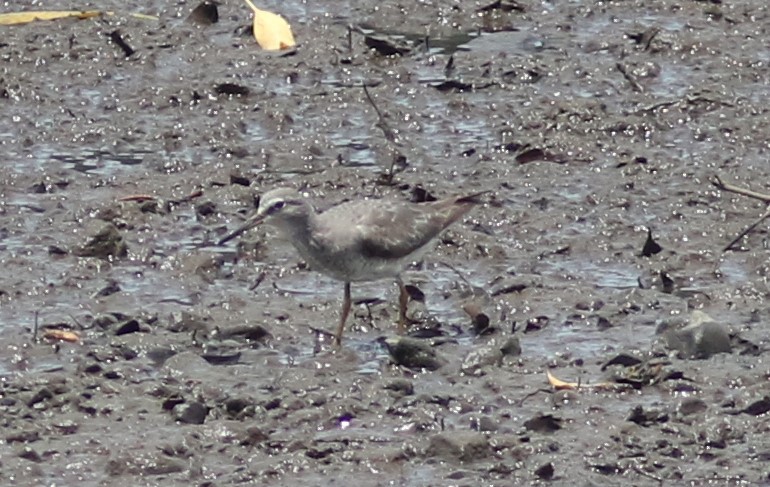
x=388 y=229
x=393 y=230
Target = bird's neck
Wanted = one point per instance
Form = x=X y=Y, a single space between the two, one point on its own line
x=299 y=229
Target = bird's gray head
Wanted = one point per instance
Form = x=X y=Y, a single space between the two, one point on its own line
x=283 y=208
x=282 y=204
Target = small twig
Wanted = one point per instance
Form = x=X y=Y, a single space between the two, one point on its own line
x=371 y=101
x=258 y=281
x=532 y=394
x=718 y=183
x=648 y=36
x=139 y=198
x=656 y=106
x=291 y=291
x=34 y=330
x=748 y=229
x=641 y=472
x=390 y=136
x=195 y=194
x=450 y=66
x=80 y=325
x=389 y=133
x=117 y=38
x=458 y=273
x=634 y=84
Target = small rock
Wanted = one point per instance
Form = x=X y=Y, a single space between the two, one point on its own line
x=239 y=179
x=511 y=347
x=465 y=446
x=27 y=436
x=536 y=324
x=105 y=321
x=318 y=453
x=188 y=364
x=692 y=405
x=758 y=408
x=543 y=423
x=253 y=436
x=646 y=418
x=41 y=395
x=413 y=353
x=191 y=412
x=29 y=453
x=184 y=321
x=159 y=355
x=235 y=405
x=111 y=287
x=172 y=401
x=485 y=423
x=204 y=14
x=477 y=360
x=105 y=242
x=622 y=359
x=256 y=333
x=508 y=286
x=56 y=250
x=404 y=387
x=479 y=320
x=490 y=355
x=143 y=465
x=701 y=338
x=206 y=208
x=545 y=472
x=67 y=427
x=223 y=355
x=130 y=326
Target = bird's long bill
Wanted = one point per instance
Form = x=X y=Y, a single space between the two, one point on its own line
x=248 y=225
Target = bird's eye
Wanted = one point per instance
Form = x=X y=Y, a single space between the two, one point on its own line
x=276 y=207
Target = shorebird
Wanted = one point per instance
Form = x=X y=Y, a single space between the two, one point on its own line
x=361 y=240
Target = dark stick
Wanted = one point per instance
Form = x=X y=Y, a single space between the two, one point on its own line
x=371 y=101
x=718 y=183
x=117 y=38
x=390 y=135
x=747 y=230
x=629 y=77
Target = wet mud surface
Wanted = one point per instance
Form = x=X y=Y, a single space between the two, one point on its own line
x=590 y=123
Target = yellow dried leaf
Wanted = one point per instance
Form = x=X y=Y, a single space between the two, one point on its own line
x=271 y=31
x=139 y=16
x=559 y=384
x=15 y=18
x=61 y=335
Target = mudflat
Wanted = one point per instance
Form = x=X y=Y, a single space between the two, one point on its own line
x=598 y=129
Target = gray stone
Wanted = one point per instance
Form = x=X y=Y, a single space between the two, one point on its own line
x=413 y=353
x=105 y=242
x=191 y=412
x=701 y=338
x=465 y=446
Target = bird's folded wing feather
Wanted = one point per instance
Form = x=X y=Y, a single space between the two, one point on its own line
x=394 y=232
x=387 y=229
